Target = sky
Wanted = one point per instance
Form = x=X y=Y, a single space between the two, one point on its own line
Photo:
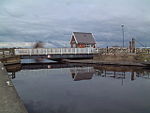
x=53 y=21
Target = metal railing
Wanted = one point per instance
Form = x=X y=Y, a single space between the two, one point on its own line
x=47 y=51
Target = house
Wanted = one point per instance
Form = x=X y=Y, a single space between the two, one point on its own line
x=82 y=40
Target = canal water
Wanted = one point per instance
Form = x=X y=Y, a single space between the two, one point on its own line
x=63 y=88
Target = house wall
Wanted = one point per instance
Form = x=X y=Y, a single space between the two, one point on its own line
x=73 y=45
x=73 y=42
x=81 y=45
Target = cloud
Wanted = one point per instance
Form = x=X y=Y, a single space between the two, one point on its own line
x=50 y=20
x=50 y=44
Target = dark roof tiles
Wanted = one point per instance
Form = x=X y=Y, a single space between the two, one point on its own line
x=86 y=38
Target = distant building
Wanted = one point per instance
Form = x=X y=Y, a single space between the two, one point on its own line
x=82 y=40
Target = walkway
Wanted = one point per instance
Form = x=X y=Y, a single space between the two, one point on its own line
x=10 y=102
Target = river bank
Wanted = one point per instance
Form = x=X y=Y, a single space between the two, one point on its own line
x=118 y=63
x=10 y=102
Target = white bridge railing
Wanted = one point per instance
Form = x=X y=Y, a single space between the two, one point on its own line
x=47 y=51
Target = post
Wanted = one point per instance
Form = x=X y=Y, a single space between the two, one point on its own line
x=130 y=46
x=107 y=49
x=133 y=45
x=122 y=35
x=3 y=54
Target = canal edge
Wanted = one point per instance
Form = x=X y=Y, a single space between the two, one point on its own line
x=10 y=100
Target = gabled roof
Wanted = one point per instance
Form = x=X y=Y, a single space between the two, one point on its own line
x=86 y=38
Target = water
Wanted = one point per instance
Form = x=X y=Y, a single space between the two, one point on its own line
x=84 y=89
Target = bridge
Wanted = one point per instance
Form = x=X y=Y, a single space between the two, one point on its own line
x=55 y=53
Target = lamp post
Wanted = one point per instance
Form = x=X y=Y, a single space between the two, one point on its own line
x=122 y=33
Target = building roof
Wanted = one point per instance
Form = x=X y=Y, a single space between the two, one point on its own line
x=86 y=38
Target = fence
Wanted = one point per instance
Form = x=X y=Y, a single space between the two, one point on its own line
x=143 y=50
x=6 y=52
x=114 y=51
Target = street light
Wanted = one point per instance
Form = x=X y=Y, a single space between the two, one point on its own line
x=123 y=33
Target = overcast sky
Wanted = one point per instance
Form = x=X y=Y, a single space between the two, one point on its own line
x=52 y=20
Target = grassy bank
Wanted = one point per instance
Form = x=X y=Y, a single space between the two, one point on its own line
x=123 y=58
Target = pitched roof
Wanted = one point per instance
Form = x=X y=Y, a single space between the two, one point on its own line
x=86 y=38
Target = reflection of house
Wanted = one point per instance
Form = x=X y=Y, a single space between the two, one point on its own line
x=82 y=73
x=82 y=40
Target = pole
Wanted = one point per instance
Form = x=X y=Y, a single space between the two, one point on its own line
x=122 y=33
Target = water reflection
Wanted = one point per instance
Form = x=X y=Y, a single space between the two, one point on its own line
x=74 y=88
x=122 y=72
x=12 y=69
x=86 y=72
